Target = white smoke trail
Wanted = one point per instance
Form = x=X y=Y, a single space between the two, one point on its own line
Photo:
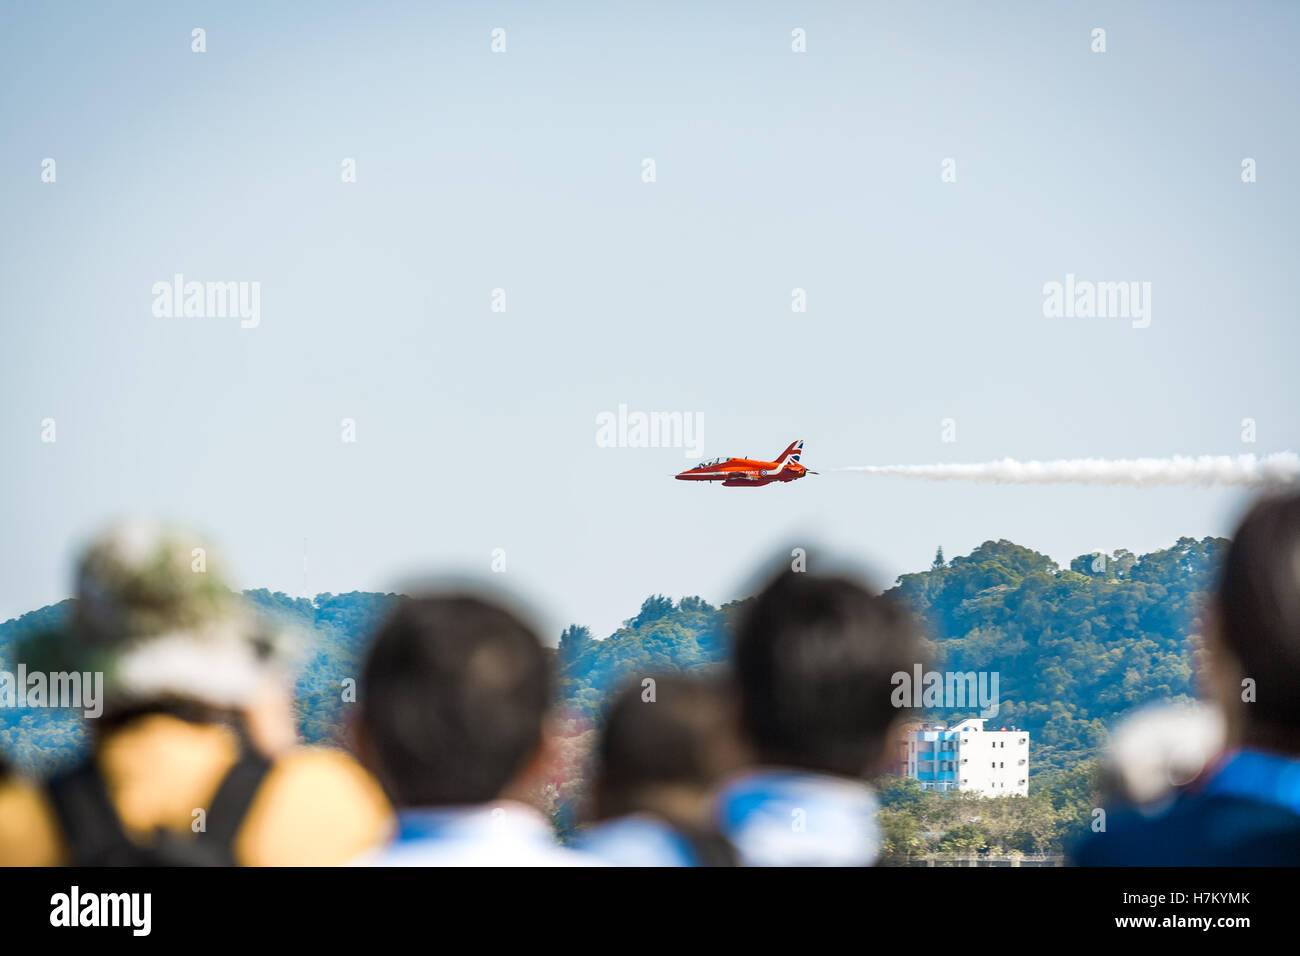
x=1244 y=471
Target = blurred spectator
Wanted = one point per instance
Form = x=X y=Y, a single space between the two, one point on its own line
x=814 y=662
x=192 y=761
x=1244 y=810
x=1158 y=749
x=663 y=749
x=454 y=702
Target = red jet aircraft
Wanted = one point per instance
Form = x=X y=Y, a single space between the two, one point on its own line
x=747 y=473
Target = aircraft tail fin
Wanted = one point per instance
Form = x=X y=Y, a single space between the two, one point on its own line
x=794 y=452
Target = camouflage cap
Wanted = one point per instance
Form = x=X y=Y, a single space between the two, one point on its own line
x=155 y=615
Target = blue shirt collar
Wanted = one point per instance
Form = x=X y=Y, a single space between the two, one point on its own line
x=1258 y=775
x=779 y=817
x=638 y=840
x=467 y=822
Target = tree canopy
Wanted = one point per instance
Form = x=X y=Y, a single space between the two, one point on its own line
x=1074 y=647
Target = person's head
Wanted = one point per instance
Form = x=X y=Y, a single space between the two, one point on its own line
x=454 y=699
x=814 y=661
x=1255 y=630
x=155 y=617
x=663 y=747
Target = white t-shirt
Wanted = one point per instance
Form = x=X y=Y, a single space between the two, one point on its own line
x=502 y=834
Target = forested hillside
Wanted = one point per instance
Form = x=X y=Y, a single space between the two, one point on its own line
x=1074 y=647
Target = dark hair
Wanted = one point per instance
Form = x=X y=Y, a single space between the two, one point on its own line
x=1258 y=602
x=684 y=736
x=453 y=699
x=814 y=659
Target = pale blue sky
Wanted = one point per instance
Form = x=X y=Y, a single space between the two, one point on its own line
x=521 y=170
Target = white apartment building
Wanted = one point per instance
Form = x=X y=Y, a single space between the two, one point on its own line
x=968 y=757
